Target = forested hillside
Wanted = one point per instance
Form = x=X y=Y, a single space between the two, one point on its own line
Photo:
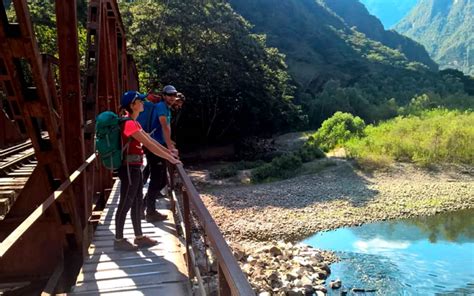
x=236 y=85
x=355 y=14
x=260 y=67
x=338 y=68
x=445 y=28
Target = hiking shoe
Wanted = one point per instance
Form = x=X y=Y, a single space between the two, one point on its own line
x=145 y=241
x=155 y=217
x=124 y=245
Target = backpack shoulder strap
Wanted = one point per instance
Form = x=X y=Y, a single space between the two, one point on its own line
x=129 y=139
x=125 y=147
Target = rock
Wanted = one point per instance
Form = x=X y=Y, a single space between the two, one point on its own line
x=325 y=267
x=320 y=293
x=295 y=292
x=291 y=276
x=213 y=265
x=252 y=261
x=274 y=280
x=317 y=257
x=298 y=283
x=321 y=274
x=239 y=254
x=308 y=290
x=321 y=288
x=335 y=284
x=265 y=294
x=302 y=261
x=275 y=251
x=306 y=281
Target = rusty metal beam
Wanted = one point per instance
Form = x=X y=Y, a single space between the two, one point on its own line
x=28 y=80
x=71 y=99
x=30 y=92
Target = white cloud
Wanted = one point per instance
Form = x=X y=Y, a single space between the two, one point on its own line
x=377 y=245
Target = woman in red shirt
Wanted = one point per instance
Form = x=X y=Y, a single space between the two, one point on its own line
x=130 y=173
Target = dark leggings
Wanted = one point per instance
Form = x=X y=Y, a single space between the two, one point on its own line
x=157 y=180
x=131 y=195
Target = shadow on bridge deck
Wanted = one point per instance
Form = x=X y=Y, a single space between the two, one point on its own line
x=159 y=270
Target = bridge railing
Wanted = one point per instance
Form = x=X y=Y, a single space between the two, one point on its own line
x=231 y=279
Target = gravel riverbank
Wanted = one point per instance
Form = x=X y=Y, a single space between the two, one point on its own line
x=339 y=196
x=252 y=216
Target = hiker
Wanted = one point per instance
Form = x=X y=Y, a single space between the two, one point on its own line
x=176 y=114
x=149 y=126
x=178 y=103
x=159 y=121
x=130 y=174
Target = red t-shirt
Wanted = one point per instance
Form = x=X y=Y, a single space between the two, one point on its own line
x=135 y=147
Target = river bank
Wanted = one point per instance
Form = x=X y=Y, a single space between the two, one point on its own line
x=293 y=209
x=339 y=196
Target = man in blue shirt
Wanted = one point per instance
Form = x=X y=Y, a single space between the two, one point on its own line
x=157 y=123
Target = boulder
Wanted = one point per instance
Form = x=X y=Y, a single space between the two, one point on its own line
x=335 y=284
x=275 y=251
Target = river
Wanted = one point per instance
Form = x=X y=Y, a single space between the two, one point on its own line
x=423 y=256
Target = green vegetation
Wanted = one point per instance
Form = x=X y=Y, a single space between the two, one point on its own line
x=236 y=85
x=436 y=136
x=337 y=67
x=444 y=27
x=287 y=65
x=285 y=166
x=356 y=15
x=224 y=172
x=337 y=130
x=232 y=170
x=44 y=24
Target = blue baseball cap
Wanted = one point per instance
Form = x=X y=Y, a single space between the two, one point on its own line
x=129 y=96
x=169 y=89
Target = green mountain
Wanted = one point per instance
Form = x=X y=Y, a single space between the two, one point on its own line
x=336 y=67
x=356 y=14
x=446 y=29
x=389 y=12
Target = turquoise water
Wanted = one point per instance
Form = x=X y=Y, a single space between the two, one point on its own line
x=423 y=256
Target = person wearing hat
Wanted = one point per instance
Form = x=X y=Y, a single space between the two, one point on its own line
x=176 y=113
x=146 y=120
x=162 y=134
x=130 y=174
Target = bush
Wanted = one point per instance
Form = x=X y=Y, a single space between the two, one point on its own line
x=433 y=137
x=225 y=172
x=246 y=165
x=278 y=168
x=310 y=152
x=337 y=130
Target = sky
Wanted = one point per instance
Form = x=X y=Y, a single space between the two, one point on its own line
x=389 y=11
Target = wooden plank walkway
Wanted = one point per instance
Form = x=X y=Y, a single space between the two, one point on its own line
x=159 y=270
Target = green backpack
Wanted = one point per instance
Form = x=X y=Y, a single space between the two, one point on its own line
x=108 y=140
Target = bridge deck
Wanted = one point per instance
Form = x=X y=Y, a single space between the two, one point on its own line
x=160 y=270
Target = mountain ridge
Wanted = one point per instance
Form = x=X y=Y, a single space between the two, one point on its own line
x=335 y=67
x=445 y=28
x=354 y=13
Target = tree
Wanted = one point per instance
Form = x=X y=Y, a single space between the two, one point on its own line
x=236 y=85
